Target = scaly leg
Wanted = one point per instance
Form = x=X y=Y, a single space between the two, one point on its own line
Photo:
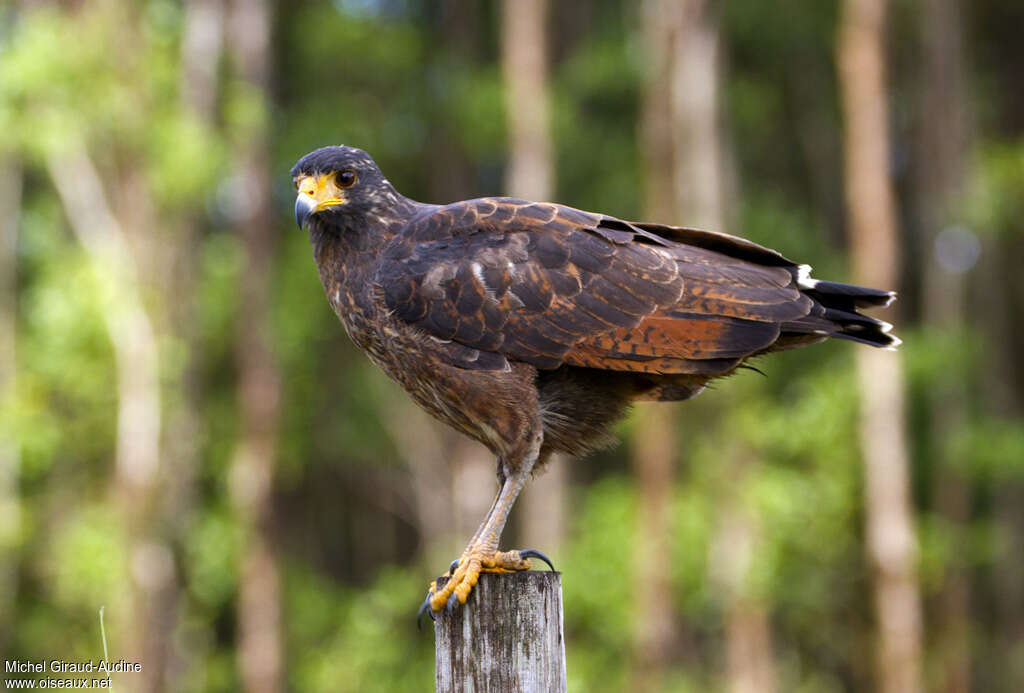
x=455 y=564
x=482 y=554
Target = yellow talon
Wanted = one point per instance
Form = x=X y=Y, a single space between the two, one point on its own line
x=465 y=577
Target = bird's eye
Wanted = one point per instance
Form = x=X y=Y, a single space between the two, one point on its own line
x=346 y=178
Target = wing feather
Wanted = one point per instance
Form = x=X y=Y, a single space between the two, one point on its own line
x=548 y=285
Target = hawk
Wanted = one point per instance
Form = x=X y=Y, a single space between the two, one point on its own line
x=532 y=326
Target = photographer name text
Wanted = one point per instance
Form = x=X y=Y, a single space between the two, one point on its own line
x=62 y=666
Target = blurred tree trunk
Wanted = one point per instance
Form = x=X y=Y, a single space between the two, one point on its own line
x=750 y=666
x=260 y=648
x=656 y=626
x=455 y=49
x=137 y=457
x=701 y=190
x=685 y=183
x=10 y=510
x=696 y=148
x=891 y=542
x=472 y=482
x=943 y=146
x=530 y=175
x=117 y=240
x=147 y=508
x=201 y=48
x=131 y=257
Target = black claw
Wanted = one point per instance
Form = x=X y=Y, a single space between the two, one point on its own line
x=453 y=566
x=424 y=607
x=534 y=553
x=453 y=601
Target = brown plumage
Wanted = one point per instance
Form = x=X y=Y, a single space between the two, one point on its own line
x=531 y=326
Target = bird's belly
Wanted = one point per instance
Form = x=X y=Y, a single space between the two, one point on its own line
x=435 y=386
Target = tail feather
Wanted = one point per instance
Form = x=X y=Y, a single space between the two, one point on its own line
x=835 y=312
x=850 y=297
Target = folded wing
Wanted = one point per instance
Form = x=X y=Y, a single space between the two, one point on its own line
x=496 y=279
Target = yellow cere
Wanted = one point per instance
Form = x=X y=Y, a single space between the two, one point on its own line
x=310 y=185
x=323 y=189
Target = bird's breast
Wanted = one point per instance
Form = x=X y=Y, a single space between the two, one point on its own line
x=357 y=315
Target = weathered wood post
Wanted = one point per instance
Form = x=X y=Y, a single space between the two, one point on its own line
x=507 y=639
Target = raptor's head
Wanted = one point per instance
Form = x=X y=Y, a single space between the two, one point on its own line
x=339 y=182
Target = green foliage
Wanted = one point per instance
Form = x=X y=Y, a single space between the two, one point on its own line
x=598 y=602
x=87 y=560
x=385 y=76
x=211 y=558
x=349 y=640
x=64 y=402
x=596 y=102
x=994 y=202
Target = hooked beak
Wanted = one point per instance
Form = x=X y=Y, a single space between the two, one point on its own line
x=305 y=205
x=316 y=193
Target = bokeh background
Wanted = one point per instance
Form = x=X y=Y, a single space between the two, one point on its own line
x=189 y=439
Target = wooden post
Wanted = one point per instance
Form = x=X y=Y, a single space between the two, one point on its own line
x=506 y=639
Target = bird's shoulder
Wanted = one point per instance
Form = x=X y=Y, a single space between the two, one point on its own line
x=483 y=215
